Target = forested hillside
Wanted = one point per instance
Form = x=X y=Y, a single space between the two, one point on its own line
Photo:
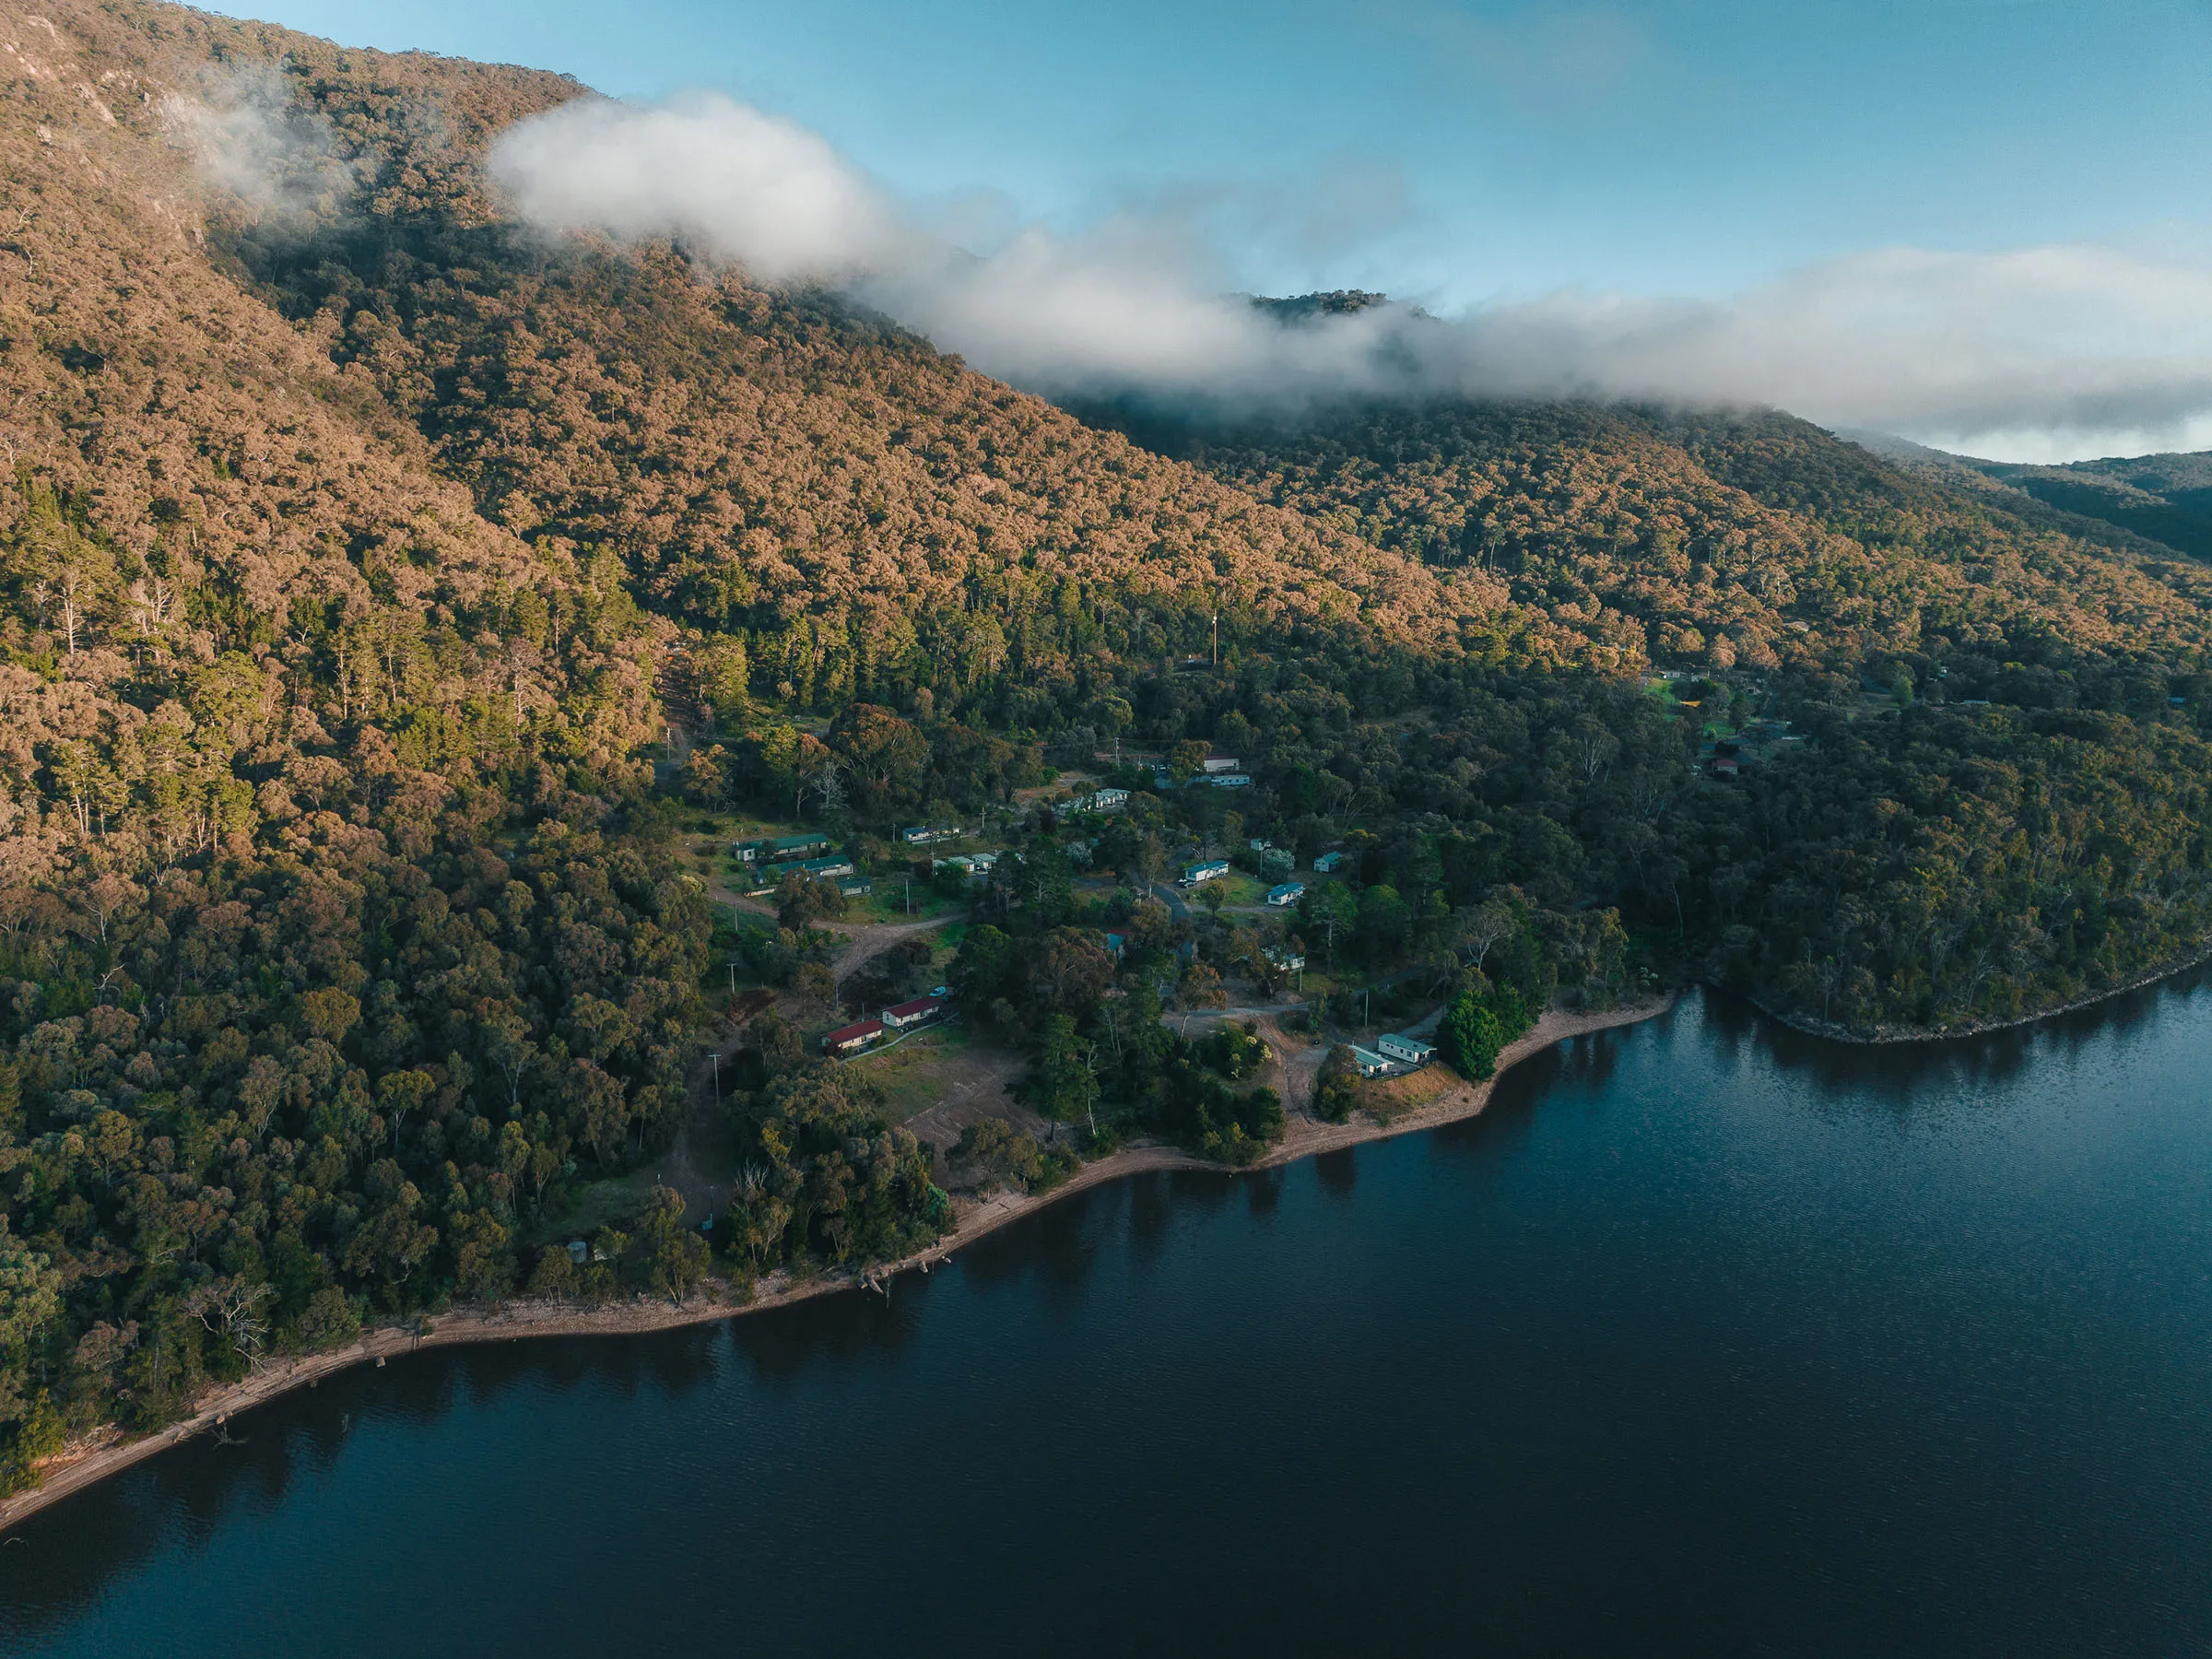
x=362 y=550
x=1750 y=538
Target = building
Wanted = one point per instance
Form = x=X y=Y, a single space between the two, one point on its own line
x=1328 y=862
x=853 y=1039
x=1228 y=780
x=1290 y=892
x=1369 y=1063
x=1406 y=1051
x=855 y=887
x=923 y=835
x=1116 y=944
x=1222 y=764
x=1284 y=959
x=1104 y=800
x=824 y=869
x=784 y=848
x=905 y=1015
x=1212 y=870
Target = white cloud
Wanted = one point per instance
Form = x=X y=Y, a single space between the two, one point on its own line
x=2022 y=354
x=747 y=186
x=253 y=143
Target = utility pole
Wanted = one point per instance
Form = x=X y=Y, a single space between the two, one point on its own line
x=718 y=1079
x=1216 y=638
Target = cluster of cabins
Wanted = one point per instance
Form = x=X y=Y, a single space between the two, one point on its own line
x=1215 y=771
x=1392 y=1056
x=812 y=853
x=894 y=1021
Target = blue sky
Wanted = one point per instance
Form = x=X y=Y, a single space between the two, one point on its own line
x=1464 y=154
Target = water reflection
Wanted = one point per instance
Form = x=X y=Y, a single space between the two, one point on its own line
x=1338 y=1172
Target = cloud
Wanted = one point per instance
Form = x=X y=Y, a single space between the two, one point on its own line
x=745 y=185
x=253 y=143
x=2042 y=349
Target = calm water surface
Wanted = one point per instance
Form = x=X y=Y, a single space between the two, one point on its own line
x=1705 y=1339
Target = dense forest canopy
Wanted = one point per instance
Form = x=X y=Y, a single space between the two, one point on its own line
x=381 y=586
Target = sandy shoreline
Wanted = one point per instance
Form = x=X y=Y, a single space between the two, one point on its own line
x=82 y=1465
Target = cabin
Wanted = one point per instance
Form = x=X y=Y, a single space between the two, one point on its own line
x=1105 y=800
x=1222 y=764
x=1116 y=944
x=824 y=869
x=784 y=848
x=1232 y=780
x=1327 y=862
x=1283 y=958
x=1289 y=892
x=923 y=835
x=905 y=1015
x=853 y=1039
x=1406 y=1051
x=1212 y=870
x=1369 y=1063
x=857 y=887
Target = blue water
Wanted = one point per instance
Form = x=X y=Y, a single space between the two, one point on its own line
x=1706 y=1338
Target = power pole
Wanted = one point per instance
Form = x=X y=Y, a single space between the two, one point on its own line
x=1216 y=624
x=717 y=1079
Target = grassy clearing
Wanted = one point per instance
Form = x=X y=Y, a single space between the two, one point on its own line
x=919 y=1072
x=888 y=903
x=594 y=1205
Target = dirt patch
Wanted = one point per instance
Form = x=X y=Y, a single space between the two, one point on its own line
x=945 y=1089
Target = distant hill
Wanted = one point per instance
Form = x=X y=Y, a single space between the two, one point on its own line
x=2165 y=499
x=1719 y=538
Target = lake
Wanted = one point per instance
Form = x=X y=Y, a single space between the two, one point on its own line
x=1707 y=1337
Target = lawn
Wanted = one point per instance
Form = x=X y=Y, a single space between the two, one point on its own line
x=1235 y=890
x=889 y=903
x=918 y=1072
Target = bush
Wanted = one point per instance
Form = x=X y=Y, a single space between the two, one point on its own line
x=1336 y=1089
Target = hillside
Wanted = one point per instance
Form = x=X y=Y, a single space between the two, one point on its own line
x=395 y=604
x=1752 y=538
x=2152 y=500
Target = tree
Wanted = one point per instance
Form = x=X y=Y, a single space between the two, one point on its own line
x=1336 y=1085
x=1327 y=912
x=1067 y=1083
x=803 y=900
x=676 y=1257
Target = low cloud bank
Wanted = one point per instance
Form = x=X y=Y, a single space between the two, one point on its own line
x=2031 y=353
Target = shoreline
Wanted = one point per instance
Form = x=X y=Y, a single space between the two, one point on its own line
x=1303 y=1137
x=1891 y=1037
